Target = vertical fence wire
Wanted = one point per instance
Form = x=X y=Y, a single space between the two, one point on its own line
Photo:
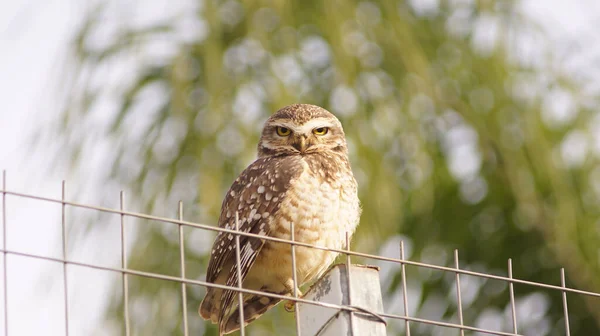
x=295 y=278
x=564 y=300
x=404 y=290
x=124 y=266
x=348 y=264
x=458 y=294
x=511 y=291
x=5 y=273
x=182 y=266
x=64 y=256
x=239 y=276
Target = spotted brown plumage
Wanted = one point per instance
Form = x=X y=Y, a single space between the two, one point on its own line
x=302 y=176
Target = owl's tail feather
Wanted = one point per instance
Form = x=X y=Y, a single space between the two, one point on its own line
x=209 y=308
x=254 y=307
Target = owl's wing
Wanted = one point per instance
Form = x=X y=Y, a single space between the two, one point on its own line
x=255 y=195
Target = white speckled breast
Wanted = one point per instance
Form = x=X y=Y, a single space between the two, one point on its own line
x=322 y=210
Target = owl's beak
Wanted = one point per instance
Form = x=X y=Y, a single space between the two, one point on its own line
x=300 y=143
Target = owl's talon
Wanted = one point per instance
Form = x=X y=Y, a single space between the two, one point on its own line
x=290 y=306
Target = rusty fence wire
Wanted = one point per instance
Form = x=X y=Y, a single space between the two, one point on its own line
x=184 y=281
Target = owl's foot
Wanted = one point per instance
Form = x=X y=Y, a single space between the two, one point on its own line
x=290 y=305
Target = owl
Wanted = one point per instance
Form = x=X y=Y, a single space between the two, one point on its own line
x=302 y=176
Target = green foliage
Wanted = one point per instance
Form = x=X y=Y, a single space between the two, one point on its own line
x=449 y=139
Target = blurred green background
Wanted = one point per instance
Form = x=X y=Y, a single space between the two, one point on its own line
x=461 y=136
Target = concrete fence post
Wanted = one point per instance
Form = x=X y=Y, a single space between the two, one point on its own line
x=333 y=288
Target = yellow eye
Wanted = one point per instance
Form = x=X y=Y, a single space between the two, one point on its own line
x=321 y=130
x=283 y=131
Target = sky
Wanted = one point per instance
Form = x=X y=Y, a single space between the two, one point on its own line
x=33 y=38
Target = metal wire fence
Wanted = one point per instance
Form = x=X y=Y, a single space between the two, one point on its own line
x=184 y=282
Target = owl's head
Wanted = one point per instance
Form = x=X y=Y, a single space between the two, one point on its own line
x=301 y=129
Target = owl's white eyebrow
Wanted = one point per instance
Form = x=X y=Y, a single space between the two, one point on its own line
x=309 y=126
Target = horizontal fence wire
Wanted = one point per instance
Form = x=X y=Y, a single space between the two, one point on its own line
x=183 y=281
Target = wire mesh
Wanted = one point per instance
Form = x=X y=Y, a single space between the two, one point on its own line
x=382 y=316
x=124 y=266
x=64 y=257
x=511 y=288
x=295 y=277
x=182 y=266
x=349 y=284
x=458 y=294
x=239 y=275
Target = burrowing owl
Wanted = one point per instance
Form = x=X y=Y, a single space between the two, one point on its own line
x=302 y=175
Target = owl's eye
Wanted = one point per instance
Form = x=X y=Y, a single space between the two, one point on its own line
x=283 y=131
x=321 y=130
